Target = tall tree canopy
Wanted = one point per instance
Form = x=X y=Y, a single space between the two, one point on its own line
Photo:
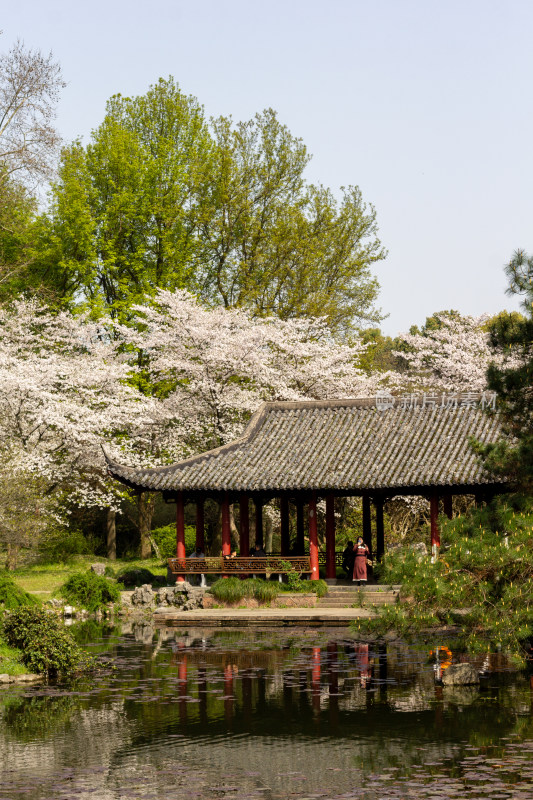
x=513 y=380
x=161 y=199
x=123 y=215
x=30 y=83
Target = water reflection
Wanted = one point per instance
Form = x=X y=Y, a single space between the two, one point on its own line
x=255 y=714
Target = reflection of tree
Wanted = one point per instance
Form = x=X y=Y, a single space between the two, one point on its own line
x=29 y=718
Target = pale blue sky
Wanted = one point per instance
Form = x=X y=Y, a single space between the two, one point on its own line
x=425 y=104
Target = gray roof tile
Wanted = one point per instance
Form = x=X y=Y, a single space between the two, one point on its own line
x=343 y=445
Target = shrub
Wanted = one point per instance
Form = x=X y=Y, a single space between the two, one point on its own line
x=320 y=587
x=12 y=596
x=90 y=591
x=485 y=568
x=165 y=539
x=135 y=576
x=231 y=590
x=263 y=591
x=296 y=584
x=59 y=546
x=47 y=646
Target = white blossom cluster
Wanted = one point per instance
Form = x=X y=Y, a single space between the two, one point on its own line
x=222 y=364
x=451 y=358
x=69 y=385
x=63 y=393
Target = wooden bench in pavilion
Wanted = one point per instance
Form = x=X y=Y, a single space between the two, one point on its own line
x=299 y=453
x=251 y=565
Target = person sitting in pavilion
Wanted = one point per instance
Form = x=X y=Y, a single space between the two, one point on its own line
x=199 y=553
x=348 y=559
x=259 y=552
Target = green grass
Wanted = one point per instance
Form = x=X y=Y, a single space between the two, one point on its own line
x=11 y=660
x=44 y=580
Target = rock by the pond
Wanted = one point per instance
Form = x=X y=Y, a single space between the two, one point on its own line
x=143 y=595
x=182 y=595
x=27 y=677
x=460 y=675
x=98 y=569
x=68 y=611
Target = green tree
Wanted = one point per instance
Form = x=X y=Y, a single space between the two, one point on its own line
x=513 y=334
x=278 y=245
x=123 y=216
x=158 y=200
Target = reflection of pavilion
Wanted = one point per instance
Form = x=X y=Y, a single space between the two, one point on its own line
x=299 y=452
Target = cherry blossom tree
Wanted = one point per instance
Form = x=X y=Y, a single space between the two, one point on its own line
x=453 y=355
x=214 y=367
x=63 y=394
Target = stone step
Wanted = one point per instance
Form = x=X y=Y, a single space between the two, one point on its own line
x=370 y=587
x=333 y=592
x=346 y=601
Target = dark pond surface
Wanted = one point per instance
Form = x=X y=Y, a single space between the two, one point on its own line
x=202 y=714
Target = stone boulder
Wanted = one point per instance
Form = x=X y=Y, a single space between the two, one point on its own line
x=98 y=569
x=460 y=675
x=143 y=595
x=182 y=595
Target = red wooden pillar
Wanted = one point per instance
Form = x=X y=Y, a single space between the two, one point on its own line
x=300 y=530
x=180 y=529
x=285 y=532
x=200 y=543
x=380 y=529
x=244 y=533
x=447 y=503
x=367 y=523
x=226 y=530
x=259 y=522
x=434 y=518
x=313 y=538
x=331 y=570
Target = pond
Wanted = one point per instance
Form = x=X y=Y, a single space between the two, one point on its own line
x=182 y=713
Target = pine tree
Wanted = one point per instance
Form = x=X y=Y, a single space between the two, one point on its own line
x=513 y=381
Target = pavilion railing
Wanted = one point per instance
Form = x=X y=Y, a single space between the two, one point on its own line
x=322 y=558
x=252 y=565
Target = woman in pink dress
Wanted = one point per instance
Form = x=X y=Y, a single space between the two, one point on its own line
x=361 y=552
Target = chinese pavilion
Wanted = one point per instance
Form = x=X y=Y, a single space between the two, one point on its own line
x=299 y=452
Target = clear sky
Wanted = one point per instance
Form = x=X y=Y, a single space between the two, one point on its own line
x=425 y=104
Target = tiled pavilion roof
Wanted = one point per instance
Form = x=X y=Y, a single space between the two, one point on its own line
x=347 y=446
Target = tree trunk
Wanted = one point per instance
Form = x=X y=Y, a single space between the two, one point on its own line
x=111 y=534
x=268 y=533
x=12 y=556
x=145 y=506
x=235 y=542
